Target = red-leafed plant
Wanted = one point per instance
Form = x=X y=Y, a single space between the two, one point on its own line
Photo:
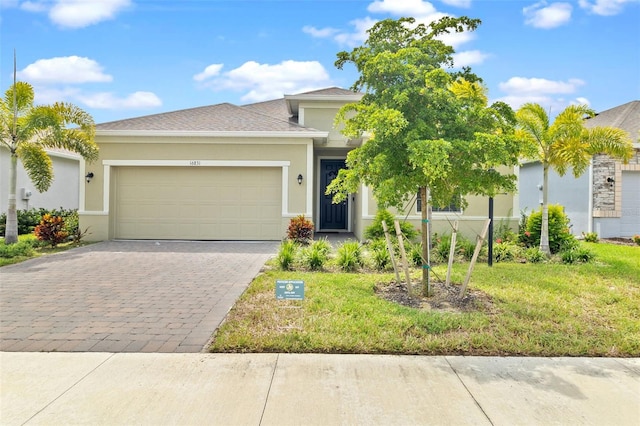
x=300 y=230
x=52 y=230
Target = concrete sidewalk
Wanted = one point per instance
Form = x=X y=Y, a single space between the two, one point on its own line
x=312 y=389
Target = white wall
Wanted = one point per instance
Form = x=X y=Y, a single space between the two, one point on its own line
x=62 y=193
x=568 y=191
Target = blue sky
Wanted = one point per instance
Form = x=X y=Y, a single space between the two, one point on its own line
x=126 y=58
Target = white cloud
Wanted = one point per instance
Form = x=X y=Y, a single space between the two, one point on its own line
x=581 y=101
x=605 y=7
x=265 y=81
x=210 y=71
x=359 y=35
x=523 y=85
x=469 y=57
x=402 y=7
x=458 y=3
x=72 y=13
x=319 y=32
x=67 y=69
x=107 y=100
x=548 y=93
x=540 y=15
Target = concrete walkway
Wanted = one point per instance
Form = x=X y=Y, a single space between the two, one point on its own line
x=311 y=389
x=125 y=296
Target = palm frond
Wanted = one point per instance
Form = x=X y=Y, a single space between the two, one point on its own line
x=37 y=164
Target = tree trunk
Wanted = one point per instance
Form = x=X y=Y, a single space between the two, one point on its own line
x=544 y=230
x=11 y=229
x=426 y=241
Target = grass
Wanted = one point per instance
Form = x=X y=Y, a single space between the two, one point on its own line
x=38 y=249
x=548 y=309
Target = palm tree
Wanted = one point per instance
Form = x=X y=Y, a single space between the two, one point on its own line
x=27 y=131
x=566 y=144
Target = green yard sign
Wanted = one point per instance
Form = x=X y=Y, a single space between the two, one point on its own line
x=290 y=289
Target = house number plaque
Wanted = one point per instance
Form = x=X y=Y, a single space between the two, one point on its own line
x=194 y=162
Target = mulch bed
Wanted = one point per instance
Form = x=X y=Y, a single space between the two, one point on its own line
x=444 y=297
x=619 y=241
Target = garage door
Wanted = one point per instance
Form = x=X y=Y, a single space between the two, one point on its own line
x=198 y=203
x=630 y=218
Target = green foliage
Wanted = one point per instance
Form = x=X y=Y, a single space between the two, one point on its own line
x=415 y=254
x=577 y=254
x=375 y=230
x=316 y=255
x=441 y=248
x=300 y=230
x=52 y=230
x=590 y=237
x=534 y=255
x=21 y=248
x=465 y=247
x=636 y=239
x=39 y=127
x=506 y=251
x=349 y=256
x=29 y=219
x=287 y=254
x=559 y=236
x=379 y=254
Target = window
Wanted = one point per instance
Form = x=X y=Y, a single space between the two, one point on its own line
x=453 y=207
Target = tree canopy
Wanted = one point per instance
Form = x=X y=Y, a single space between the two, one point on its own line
x=426 y=126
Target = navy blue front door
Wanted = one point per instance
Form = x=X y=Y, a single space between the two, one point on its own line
x=332 y=216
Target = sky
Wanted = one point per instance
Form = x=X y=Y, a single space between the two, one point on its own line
x=118 y=59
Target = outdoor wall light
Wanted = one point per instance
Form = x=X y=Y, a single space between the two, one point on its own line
x=300 y=179
x=89 y=176
x=610 y=179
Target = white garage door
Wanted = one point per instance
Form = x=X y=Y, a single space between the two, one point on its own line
x=198 y=203
x=630 y=219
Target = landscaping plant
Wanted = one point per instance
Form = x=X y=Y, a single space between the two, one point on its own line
x=286 y=254
x=349 y=257
x=300 y=230
x=52 y=230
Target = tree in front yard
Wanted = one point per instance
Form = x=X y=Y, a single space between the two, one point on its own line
x=429 y=130
x=566 y=144
x=27 y=131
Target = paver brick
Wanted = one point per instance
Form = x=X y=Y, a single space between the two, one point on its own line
x=142 y=296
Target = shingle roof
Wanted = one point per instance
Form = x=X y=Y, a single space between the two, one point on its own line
x=625 y=117
x=221 y=117
x=268 y=116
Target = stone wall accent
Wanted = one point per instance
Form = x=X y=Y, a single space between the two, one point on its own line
x=607 y=196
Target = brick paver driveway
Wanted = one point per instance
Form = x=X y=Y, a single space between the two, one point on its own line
x=125 y=296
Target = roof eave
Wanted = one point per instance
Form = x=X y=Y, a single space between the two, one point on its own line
x=214 y=134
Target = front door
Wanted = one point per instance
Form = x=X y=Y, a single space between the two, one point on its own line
x=333 y=217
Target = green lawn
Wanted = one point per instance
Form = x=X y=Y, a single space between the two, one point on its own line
x=538 y=309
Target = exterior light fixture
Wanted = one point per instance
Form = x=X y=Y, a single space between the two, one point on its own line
x=300 y=179
x=89 y=176
x=610 y=179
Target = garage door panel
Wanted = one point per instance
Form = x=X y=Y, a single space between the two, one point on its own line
x=630 y=214
x=198 y=203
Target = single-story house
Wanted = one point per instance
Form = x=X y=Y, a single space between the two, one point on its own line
x=227 y=172
x=606 y=198
x=63 y=191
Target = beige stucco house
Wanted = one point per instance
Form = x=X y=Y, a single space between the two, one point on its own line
x=227 y=172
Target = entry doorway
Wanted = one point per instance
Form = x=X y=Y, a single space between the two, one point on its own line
x=333 y=217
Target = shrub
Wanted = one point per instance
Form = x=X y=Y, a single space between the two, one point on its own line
x=636 y=239
x=300 y=230
x=51 y=229
x=29 y=219
x=21 y=248
x=380 y=254
x=286 y=254
x=534 y=255
x=375 y=231
x=577 y=254
x=349 y=256
x=590 y=237
x=559 y=236
x=506 y=252
x=465 y=247
x=415 y=254
x=315 y=256
x=441 y=248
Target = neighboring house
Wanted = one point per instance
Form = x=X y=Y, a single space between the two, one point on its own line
x=64 y=189
x=606 y=198
x=227 y=172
